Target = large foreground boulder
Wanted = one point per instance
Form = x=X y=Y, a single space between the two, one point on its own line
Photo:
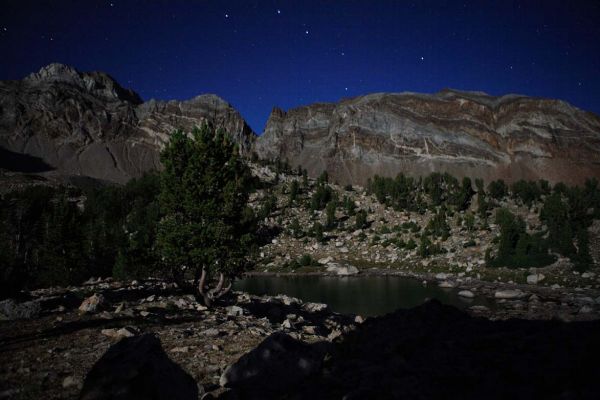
x=435 y=351
x=138 y=368
x=273 y=368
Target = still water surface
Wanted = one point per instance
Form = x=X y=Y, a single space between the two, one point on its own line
x=365 y=295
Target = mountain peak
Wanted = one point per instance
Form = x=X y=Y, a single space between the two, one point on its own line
x=97 y=83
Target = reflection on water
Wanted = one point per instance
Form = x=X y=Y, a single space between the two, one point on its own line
x=366 y=295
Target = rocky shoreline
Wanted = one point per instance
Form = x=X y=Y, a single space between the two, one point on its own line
x=511 y=300
x=51 y=351
x=59 y=333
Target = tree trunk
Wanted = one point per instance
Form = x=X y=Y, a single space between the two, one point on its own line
x=209 y=296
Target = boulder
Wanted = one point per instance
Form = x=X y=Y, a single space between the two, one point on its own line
x=138 y=368
x=534 y=279
x=127 y=331
x=325 y=260
x=235 y=311
x=466 y=293
x=446 y=285
x=586 y=309
x=314 y=307
x=92 y=303
x=10 y=309
x=273 y=368
x=70 y=381
x=509 y=294
x=342 y=270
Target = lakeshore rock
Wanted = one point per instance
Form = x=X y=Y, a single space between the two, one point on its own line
x=342 y=270
x=534 y=279
x=466 y=293
x=315 y=307
x=508 y=294
x=325 y=260
x=138 y=368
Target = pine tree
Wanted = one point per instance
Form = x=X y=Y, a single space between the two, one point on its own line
x=330 y=213
x=204 y=193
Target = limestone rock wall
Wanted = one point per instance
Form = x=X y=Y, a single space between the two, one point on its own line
x=465 y=133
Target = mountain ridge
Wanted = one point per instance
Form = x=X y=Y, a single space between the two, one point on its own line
x=465 y=133
x=87 y=124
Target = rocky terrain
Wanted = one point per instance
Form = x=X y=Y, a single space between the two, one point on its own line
x=62 y=332
x=539 y=323
x=464 y=133
x=53 y=338
x=60 y=122
x=382 y=246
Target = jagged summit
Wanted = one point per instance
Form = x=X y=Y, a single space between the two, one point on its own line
x=98 y=83
x=86 y=124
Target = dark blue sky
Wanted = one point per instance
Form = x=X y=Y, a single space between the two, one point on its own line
x=260 y=54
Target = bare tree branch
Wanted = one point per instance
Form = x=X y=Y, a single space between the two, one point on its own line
x=202 y=282
x=219 y=286
x=224 y=291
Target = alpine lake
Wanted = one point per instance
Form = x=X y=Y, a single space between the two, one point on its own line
x=362 y=295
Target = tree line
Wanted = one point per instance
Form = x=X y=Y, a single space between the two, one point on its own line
x=192 y=222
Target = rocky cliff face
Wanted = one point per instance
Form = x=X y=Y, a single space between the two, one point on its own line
x=86 y=124
x=464 y=133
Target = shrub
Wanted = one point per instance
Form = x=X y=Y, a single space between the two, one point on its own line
x=330 y=214
x=517 y=248
x=497 y=189
x=361 y=220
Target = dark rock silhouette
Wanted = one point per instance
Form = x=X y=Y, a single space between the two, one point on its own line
x=273 y=368
x=138 y=368
x=435 y=351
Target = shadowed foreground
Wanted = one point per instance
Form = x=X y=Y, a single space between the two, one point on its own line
x=436 y=351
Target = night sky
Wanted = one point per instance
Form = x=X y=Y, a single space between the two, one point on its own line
x=260 y=54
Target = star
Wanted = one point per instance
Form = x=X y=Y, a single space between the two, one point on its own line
x=306 y=32
x=226 y=15
x=422 y=58
x=579 y=83
x=346 y=89
x=342 y=53
x=4 y=29
x=278 y=11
